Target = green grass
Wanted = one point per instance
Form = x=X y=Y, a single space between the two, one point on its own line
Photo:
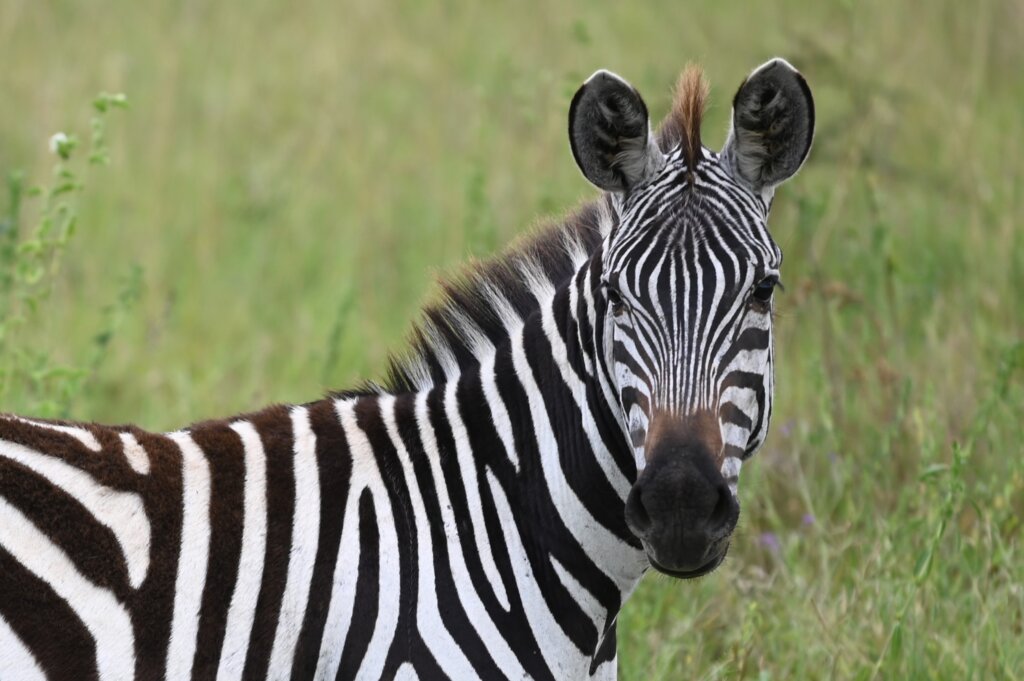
x=288 y=182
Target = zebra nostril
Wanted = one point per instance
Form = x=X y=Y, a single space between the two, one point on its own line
x=723 y=511
x=637 y=517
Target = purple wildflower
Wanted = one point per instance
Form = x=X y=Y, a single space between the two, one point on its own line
x=807 y=520
x=770 y=541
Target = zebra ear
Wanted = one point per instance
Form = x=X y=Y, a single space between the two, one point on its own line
x=772 y=126
x=610 y=134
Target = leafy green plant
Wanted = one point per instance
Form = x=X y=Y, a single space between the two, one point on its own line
x=34 y=235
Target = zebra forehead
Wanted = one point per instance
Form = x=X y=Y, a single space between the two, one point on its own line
x=694 y=232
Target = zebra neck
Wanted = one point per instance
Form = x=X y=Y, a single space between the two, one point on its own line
x=533 y=432
x=517 y=468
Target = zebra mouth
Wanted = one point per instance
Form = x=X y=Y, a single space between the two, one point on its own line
x=704 y=569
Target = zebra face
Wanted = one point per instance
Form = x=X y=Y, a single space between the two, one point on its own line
x=684 y=296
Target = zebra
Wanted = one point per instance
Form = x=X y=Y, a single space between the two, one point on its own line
x=571 y=415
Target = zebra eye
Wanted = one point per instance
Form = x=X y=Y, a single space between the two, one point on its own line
x=615 y=302
x=764 y=288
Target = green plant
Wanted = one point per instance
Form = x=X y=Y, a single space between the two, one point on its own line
x=33 y=239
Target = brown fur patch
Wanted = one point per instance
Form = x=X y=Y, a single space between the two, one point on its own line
x=701 y=429
x=682 y=126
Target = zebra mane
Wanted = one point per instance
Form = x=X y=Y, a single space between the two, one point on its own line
x=468 y=319
x=682 y=125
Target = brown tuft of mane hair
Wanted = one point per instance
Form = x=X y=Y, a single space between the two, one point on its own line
x=682 y=126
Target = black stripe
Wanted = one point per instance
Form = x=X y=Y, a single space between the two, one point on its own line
x=335 y=466
x=370 y=420
x=152 y=606
x=91 y=546
x=59 y=640
x=275 y=429
x=730 y=413
x=364 y=607
x=223 y=450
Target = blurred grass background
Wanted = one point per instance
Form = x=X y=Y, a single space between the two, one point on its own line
x=291 y=178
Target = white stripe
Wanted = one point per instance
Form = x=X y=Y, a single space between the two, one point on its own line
x=653 y=323
x=135 y=453
x=578 y=281
x=365 y=475
x=475 y=611
x=343 y=586
x=192 y=557
x=407 y=673
x=676 y=332
x=704 y=352
x=102 y=614
x=122 y=512
x=242 y=611
x=753 y=361
x=735 y=435
x=305 y=541
x=496 y=407
x=470 y=484
x=80 y=434
x=428 y=619
x=742 y=397
x=693 y=390
x=759 y=320
x=16 y=660
x=731 y=472
x=560 y=654
x=484 y=352
x=389 y=582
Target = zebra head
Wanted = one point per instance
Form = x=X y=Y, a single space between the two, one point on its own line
x=683 y=296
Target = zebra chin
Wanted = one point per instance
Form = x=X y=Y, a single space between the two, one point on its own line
x=704 y=569
x=683 y=511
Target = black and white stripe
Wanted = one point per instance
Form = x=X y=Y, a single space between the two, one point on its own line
x=468 y=517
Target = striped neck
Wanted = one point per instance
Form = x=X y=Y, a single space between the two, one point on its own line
x=536 y=465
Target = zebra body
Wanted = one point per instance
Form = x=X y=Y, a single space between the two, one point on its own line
x=571 y=416
x=294 y=520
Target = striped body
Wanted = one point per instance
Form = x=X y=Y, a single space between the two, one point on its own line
x=340 y=539
x=570 y=416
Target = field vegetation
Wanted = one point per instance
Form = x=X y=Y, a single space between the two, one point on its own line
x=263 y=217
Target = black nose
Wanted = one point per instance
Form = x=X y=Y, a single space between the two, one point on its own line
x=682 y=509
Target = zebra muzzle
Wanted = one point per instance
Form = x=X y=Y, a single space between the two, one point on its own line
x=682 y=510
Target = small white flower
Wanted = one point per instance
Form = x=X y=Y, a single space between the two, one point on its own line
x=57 y=142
